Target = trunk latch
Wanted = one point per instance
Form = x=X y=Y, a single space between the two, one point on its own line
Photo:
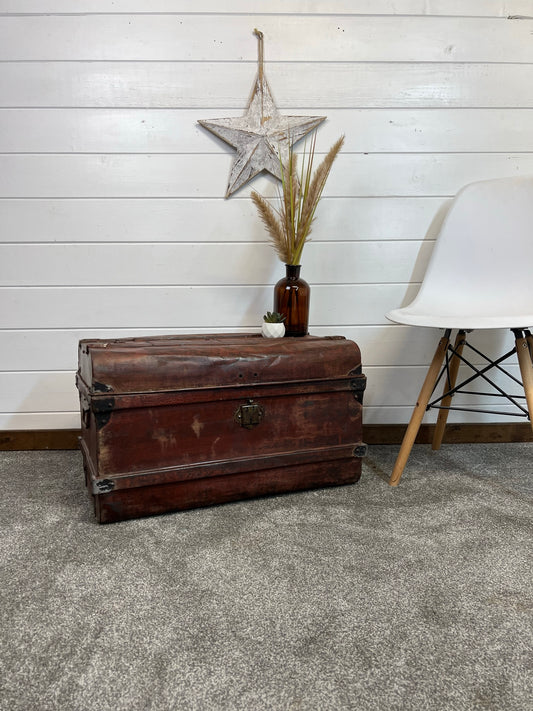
x=249 y=415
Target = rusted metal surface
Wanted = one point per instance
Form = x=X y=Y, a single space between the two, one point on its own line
x=167 y=418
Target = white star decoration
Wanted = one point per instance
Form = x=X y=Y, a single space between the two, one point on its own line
x=261 y=135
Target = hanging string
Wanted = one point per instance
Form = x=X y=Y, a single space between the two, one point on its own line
x=259 y=36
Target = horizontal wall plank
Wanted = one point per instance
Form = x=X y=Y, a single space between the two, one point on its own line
x=40 y=391
x=401 y=415
x=372 y=416
x=384 y=345
x=209 y=220
x=229 y=38
x=318 y=86
x=177 y=131
x=40 y=420
x=190 y=264
x=399 y=387
x=479 y=8
x=206 y=176
x=188 y=307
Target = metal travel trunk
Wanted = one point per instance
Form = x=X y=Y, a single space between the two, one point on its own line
x=177 y=422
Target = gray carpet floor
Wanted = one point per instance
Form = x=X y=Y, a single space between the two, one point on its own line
x=359 y=597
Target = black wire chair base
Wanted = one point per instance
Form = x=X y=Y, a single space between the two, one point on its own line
x=451 y=390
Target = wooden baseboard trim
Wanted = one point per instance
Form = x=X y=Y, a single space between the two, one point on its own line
x=455 y=433
x=20 y=440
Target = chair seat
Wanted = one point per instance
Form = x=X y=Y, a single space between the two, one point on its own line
x=467 y=321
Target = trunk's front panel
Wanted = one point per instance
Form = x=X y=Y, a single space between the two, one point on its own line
x=137 y=439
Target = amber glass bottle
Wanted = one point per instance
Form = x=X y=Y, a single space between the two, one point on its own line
x=291 y=298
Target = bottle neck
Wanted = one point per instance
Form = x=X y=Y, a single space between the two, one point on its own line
x=292 y=271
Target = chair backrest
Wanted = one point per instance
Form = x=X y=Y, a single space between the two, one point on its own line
x=482 y=261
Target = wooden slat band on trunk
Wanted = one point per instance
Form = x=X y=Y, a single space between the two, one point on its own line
x=200 y=470
x=104 y=402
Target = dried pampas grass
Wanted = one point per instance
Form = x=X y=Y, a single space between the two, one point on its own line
x=289 y=226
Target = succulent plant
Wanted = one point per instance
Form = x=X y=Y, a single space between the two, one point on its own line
x=270 y=317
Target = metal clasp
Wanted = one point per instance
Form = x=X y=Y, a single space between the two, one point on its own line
x=249 y=415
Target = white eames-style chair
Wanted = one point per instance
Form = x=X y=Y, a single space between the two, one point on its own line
x=480 y=276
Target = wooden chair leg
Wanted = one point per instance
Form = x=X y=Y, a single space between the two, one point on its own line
x=526 y=371
x=442 y=418
x=419 y=410
x=529 y=339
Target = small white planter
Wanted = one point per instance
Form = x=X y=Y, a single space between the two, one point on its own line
x=273 y=330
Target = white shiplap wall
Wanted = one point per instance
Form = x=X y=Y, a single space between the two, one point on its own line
x=112 y=220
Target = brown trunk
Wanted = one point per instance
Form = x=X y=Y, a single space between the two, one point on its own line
x=170 y=423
